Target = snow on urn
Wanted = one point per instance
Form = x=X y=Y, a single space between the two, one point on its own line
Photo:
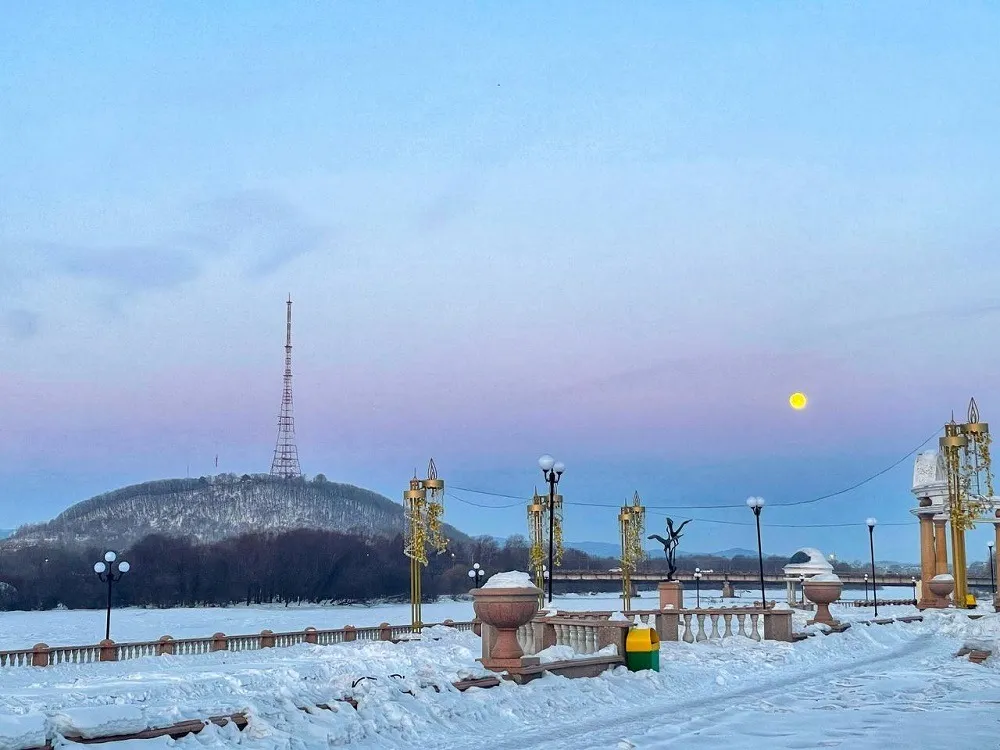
x=504 y=603
x=823 y=590
x=942 y=586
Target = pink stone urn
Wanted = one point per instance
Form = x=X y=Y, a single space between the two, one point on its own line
x=505 y=603
x=942 y=586
x=823 y=590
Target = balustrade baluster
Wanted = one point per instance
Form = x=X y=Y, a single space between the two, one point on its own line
x=702 y=636
x=754 y=618
x=741 y=618
x=715 y=635
x=688 y=635
x=727 y=618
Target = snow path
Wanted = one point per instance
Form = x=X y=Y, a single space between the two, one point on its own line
x=603 y=728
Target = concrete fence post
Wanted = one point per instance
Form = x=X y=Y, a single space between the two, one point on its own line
x=219 y=642
x=668 y=625
x=266 y=639
x=477 y=627
x=108 y=650
x=40 y=655
x=778 y=625
x=166 y=646
x=384 y=631
x=311 y=636
x=350 y=633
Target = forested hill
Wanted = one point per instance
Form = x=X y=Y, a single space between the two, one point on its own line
x=208 y=509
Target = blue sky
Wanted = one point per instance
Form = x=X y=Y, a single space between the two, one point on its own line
x=622 y=235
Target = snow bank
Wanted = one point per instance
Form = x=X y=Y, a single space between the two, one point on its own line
x=566 y=653
x=512 y=579
x=18 y=732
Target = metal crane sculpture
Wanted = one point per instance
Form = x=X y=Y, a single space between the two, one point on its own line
x=670 y=545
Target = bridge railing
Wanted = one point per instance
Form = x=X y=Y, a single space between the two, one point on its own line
x=43 y=655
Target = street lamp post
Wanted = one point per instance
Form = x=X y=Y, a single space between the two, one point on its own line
x=802 y=587
x=110 y=571
x=871 y=543
x=866 y=589
x=756 y=504
x=476 y=574
x=697 y=587
x=552 y=470
x=913 y=582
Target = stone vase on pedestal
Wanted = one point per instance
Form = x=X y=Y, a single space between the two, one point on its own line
x=823 y=590
x=671 y=595
x=941 y=586
x=504 y=608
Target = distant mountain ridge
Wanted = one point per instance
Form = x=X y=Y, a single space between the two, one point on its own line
x=208 y=509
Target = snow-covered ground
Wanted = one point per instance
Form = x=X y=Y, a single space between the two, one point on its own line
x=896 y=685
x=81 y=627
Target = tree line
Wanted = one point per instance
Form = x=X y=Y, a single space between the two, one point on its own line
x=303 y=566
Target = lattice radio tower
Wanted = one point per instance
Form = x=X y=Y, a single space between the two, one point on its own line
x=286 y=455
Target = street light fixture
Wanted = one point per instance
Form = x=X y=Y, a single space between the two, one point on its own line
x=476 y=574
x=871 y=543
x=866 y=589
x=110 y=571
x=697 y=587
x=802 y=587
x=756 y=504
x=552 y=470
x=913 y=582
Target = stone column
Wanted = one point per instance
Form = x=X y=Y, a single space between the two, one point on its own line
x=940 y=546
x=996 y=548
x=928 y=559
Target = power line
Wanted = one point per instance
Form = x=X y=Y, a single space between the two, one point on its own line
x=828 y=496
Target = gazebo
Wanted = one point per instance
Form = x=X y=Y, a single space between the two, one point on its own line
x=807 y=562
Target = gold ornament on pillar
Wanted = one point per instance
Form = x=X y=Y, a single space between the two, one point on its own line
x=966 y=449
x=632 y=527
x=423 y=524
x=536 y=538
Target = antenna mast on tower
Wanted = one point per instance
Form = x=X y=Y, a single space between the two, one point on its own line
x=286 y=455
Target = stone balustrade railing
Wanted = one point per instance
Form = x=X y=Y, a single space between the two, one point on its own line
x=43 y=655
x=589 y=632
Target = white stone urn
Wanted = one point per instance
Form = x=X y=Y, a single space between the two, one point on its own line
x=942 y=586
x=823 y=590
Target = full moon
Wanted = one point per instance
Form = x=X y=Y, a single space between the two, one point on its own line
x=798 y=401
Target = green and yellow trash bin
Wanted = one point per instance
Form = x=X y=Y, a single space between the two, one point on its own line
x=642 y=649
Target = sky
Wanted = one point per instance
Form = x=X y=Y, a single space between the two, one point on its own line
x=622 y=235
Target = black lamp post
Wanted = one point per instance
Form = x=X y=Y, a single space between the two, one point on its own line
x=866 y=589
x=802 y=588
x=913 y=582
x=871 y=544
x=552 y=470
x=756 y=504
x=110 y=571
x=476 y=574
x=697 y=587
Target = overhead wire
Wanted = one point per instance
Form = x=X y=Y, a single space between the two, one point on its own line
x=820 y=498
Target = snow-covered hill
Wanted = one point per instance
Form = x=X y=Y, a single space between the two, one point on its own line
x=211 y=508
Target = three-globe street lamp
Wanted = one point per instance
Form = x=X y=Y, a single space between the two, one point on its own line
x=552 y=470
x=871 y=542
x=476 y=574
x=993 y=579
x=756 y=504
x=110 y=571
x=802 y=588
x=697 y=587
x=866 y=589
x=913 y=582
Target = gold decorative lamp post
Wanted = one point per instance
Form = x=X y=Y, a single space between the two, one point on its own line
x=424 y=524
x=966 y=450
x=632 y=527
x=536 y=539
